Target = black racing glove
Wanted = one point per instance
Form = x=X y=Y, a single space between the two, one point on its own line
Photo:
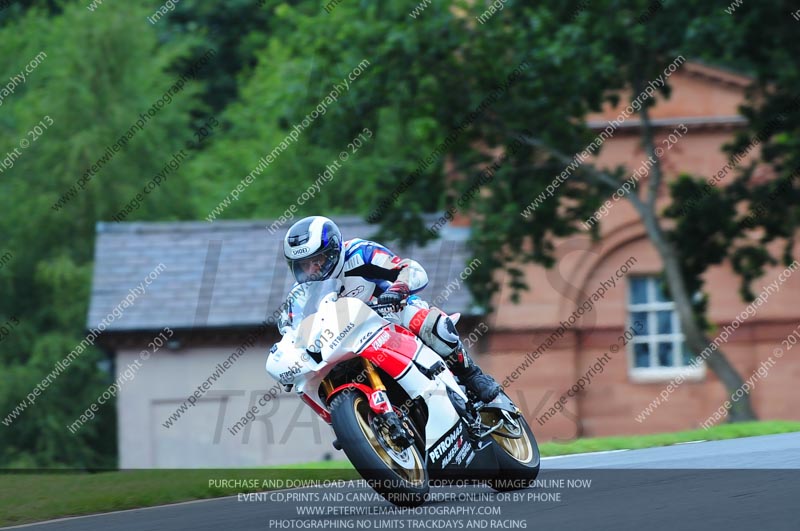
x=395 y=294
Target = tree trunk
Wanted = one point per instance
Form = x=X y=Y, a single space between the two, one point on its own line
x=697 y=341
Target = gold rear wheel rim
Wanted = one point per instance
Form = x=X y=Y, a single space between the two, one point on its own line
x=519 y=448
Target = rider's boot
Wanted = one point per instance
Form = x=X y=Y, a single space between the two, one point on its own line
x=473 y=378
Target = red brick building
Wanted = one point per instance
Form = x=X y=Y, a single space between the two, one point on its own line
x=705 y=101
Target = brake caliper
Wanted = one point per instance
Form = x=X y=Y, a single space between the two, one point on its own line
x=397 y=432
x=379 y=403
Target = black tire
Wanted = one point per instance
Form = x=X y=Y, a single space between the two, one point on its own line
x=518 y=459
x=372 y=456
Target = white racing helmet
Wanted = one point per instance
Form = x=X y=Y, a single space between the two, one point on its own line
x=314 y=250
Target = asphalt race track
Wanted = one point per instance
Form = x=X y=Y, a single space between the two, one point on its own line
x=751 y=483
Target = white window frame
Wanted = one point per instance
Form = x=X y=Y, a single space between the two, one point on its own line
x=655 y=372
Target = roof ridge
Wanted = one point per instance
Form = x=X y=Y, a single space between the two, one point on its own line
x=217 y=225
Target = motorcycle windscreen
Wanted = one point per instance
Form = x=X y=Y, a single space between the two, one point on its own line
x=343 y=326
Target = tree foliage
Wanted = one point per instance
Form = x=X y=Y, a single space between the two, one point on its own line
x=96 y=79
x=440 y=95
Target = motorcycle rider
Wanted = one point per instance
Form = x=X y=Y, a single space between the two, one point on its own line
x=315 y=251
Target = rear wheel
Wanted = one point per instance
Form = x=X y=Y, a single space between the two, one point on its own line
x=516 y=450
x=399 y=475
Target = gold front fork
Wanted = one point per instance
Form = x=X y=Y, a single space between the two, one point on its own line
x=327 y=386
x=373 y=376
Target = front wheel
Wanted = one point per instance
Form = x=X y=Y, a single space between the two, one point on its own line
x=516 y=450
x=400 y=476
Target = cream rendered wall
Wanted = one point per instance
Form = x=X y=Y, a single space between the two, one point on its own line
x=285 y=430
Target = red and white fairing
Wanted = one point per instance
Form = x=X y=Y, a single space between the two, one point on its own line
x=342 y=328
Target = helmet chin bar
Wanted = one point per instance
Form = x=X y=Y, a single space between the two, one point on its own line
x=301 y=276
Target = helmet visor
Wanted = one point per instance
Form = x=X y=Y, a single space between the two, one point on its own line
x=316 y=267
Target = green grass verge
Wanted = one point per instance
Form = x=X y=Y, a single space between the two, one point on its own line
x=30 y=497
x=634 y=442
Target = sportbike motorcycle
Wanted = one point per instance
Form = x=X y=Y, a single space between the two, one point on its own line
x=396 y=409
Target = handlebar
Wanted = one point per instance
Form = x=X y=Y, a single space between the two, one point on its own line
x=380 y=308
